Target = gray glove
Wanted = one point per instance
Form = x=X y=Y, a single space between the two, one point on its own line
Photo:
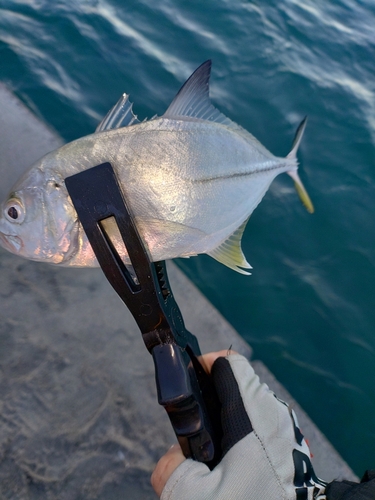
x=264 y=453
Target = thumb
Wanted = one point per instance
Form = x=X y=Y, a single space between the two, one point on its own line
x=164 y=468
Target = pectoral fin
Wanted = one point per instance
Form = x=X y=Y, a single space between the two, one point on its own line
x=230 y=252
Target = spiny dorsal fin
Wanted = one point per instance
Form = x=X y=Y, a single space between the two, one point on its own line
x=121 y=115
x=193 y=99
x=230 y=252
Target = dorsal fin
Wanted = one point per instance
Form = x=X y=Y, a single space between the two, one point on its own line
x=121 y=115
x=193 y=98
x=230 y=252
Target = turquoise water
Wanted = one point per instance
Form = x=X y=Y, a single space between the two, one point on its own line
x=308 y=309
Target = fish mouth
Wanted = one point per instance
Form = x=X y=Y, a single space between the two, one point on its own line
x=11 y=243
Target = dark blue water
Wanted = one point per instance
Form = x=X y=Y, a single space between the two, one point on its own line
x=308 y=310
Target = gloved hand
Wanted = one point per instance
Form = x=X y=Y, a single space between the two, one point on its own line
x=264 y=453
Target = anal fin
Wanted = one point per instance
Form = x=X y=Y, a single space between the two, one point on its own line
x=230 y=252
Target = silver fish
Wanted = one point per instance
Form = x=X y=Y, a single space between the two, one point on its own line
x=192 y=178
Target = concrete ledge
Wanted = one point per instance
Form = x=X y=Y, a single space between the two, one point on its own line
x=23 y=138
x=78 y=411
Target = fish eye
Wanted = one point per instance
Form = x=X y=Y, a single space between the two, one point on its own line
x=14 y=211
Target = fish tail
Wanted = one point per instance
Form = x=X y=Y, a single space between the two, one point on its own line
x=297 y=139
x=301 y=191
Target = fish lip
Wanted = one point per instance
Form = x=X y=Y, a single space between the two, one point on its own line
x=10 y=242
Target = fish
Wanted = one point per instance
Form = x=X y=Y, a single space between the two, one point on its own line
x=191 y=177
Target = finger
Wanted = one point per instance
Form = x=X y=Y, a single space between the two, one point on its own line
x=207 y=360
x=235 y=421
x=164 y=468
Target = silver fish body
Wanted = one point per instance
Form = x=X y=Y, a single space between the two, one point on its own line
x=191 y=178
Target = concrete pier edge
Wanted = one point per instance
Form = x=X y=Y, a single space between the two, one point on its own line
x=38 y=299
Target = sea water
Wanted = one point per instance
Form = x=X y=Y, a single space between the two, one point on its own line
x=308 y=309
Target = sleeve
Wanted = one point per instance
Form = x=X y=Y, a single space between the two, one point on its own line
x=348 y=490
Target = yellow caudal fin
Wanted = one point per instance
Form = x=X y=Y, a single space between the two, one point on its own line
x=301 y=191
x=230 y=252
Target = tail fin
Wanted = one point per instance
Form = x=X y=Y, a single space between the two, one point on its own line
x=302 y=193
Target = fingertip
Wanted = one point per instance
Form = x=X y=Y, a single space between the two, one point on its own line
x=165 y=467
x=209 y=359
